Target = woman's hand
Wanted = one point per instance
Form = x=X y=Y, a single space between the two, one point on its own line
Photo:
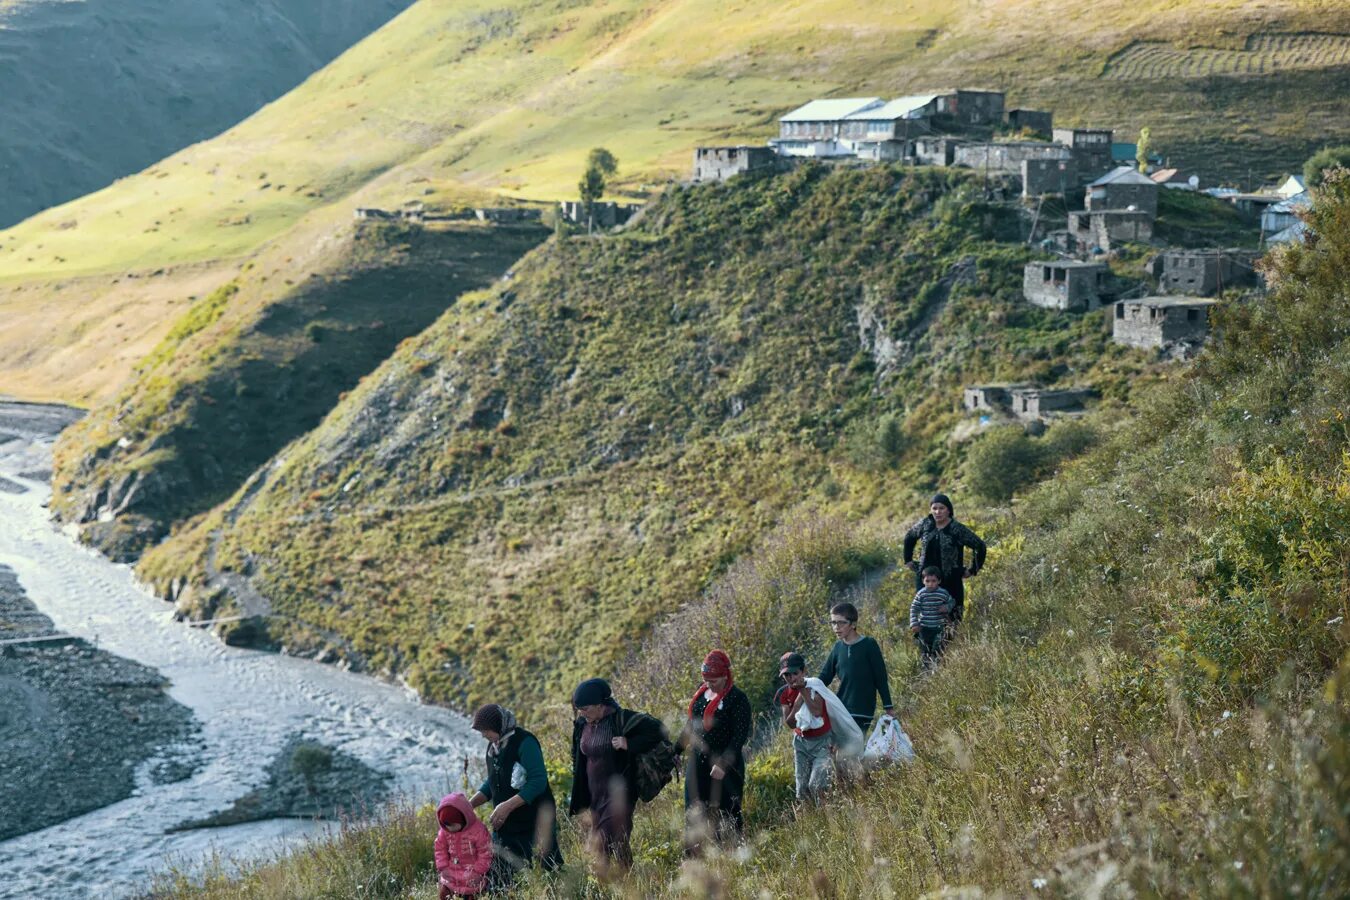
x=503 y=810
x=970 y=573
x=913 y=565
x=619 y=743
x=718 y=772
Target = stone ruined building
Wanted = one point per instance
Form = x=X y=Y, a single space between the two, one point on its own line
x=990 y=397
x=721 y=163
x=1067 y=285
x=1161 y=322
x=1033 y=403
x=1108 y=228
x=607 y=214
x=1123 y=188
x=1205 y=273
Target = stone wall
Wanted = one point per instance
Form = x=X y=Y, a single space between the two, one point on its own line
x=1006 y=156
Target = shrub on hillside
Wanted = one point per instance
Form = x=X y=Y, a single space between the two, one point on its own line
x=1007 y=459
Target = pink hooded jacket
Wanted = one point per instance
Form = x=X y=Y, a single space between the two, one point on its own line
x=463 y=857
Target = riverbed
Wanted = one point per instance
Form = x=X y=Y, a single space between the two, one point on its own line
x=247 y=706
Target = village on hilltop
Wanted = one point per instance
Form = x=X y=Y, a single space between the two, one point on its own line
x=1025 y=160
x=1021 y=151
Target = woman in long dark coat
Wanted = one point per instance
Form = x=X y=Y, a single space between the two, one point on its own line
x=606 y=743
x=942 y=542
x=716 y=734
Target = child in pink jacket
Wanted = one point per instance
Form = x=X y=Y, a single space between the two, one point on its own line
x=463 y=848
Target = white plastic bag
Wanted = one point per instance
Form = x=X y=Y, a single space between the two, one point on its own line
x=888 y=743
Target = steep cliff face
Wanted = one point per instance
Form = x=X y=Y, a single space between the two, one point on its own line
x=103 y=89
x=515 y=496
x=257 y=363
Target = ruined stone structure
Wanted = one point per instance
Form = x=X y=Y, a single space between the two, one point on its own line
x=507 y=214
x=1007 y=156
x=936 y=150
x=1033 y=403
x=990 y=397
x=1067 y=285
x=1109 y=228
x=720 y=163
x=1048 y=176
x=1091 y=148
x=607 y=215
x=1156 y=322
x=1205 y=273
x=1123 y=188
x=1036 y=120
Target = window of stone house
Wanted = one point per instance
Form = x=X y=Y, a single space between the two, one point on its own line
x=1192 y=315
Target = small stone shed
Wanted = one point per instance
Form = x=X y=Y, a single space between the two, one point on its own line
x=1156 y=322
x=1035 y=403
x=1205 y=273
x=1123 y=188
x=1068 y=285
x=1109 y=228
x=936 y=150
x=720 y=163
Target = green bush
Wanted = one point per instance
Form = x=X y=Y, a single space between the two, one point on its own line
x=1002 y=462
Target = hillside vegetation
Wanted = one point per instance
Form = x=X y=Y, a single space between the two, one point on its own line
x=1150 y=697
x=104 y=89
x=509 y=95
x=599 y=436
x=257 y=362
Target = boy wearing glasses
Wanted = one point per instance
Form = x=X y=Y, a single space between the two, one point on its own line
x=858 y=663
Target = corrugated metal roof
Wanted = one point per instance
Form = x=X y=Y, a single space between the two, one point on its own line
x=830 y=110
x=1123 y=175
x=898 y=108
x=1161 y=302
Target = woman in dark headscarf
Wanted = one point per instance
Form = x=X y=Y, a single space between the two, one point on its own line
x=606 y=742
x=524 y=818
x=942 y=542
x=717 y=731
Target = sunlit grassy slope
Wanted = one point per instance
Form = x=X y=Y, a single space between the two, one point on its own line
x=508 y=95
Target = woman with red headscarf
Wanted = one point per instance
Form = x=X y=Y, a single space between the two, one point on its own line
x=718 y=729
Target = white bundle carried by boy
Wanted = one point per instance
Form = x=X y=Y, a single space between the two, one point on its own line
x=888 y=744
x=848 y=737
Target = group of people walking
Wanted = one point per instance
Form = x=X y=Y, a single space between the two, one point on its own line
x=618 y=754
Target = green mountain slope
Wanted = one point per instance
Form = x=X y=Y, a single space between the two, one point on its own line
x=508 y=96
x=94 y=90
x=597 y=437
x=259 y=361
x=1150 y=696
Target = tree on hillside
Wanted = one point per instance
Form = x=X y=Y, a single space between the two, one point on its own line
x=600 y=166
x=1141 y=149
x=1326 y=158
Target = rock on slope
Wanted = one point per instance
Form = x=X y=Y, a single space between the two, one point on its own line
x=105 y=88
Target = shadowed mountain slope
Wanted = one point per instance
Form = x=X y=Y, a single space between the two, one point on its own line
x=91 y=90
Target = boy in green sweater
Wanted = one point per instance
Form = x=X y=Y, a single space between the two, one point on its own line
x=858 y=663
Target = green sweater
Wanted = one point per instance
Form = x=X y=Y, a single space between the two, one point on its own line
x=862 y=675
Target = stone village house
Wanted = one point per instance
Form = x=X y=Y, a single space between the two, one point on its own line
x=1066 y=284
x=1123 y=188
x=1204 y=273
x=720 y=163
x=1158 y=322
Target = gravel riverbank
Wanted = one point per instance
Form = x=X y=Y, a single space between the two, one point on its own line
x=77 y=723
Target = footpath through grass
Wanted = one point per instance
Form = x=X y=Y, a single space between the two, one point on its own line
x=1150 y=698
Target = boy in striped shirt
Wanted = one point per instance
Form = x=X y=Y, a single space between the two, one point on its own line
x=929 y=615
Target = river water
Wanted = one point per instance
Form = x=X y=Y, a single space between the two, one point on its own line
x=248 y=704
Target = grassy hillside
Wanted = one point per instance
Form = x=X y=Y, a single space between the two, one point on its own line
x=1149 y=697
x=105 y=89
x=257 y=362
x=596 y=438
x=508 y=95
